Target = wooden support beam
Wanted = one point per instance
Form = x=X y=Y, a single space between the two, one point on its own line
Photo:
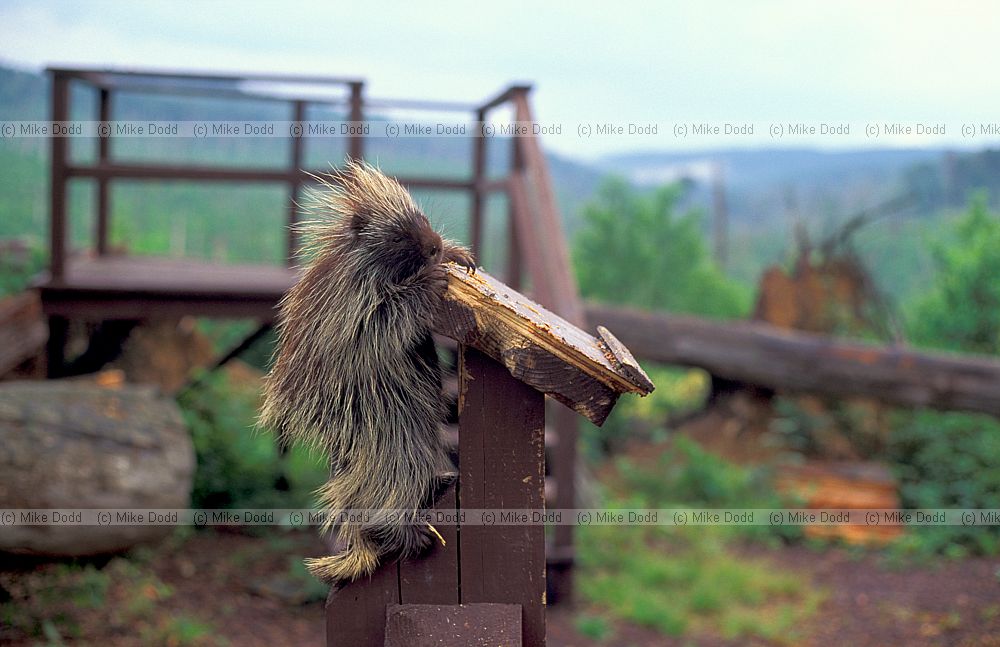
x=58 y=226
x=103 y=156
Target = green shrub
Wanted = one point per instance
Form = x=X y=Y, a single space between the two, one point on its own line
x=948 y=460
x=239 y=466
x=633 y=249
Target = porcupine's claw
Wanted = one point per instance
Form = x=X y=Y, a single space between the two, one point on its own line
x=463 y=257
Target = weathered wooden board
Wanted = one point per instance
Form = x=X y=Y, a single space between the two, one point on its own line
x=459 y=625
x=538 y=347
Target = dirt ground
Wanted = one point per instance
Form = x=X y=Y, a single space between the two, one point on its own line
x=236 y=583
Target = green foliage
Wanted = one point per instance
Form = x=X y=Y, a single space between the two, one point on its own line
x=633 y=249
x=57 y=604
x=238 y=465
x=961 y=311
x=678 y=391
x=687 y=580
x=594 y=627
x=948 y=460
x=952 y=460
x=17 y=270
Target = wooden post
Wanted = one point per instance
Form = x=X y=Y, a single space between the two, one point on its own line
x=501 y=449
x=478 y=177
x=58 y=326
x=57 y=196
x=103 y=155
x=356 y=143
x=502 y=457
x=299 y=116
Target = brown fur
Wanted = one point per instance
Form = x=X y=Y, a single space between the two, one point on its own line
x=356 y=373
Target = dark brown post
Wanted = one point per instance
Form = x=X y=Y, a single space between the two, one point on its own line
x=502 y=466
x=295 y=176
x=356 y=143
x=478 y=177
x=103 y=148
x=57 y=202
x=58 y=326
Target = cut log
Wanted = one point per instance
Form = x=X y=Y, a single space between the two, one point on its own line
x=792 y=361
x=75 y=445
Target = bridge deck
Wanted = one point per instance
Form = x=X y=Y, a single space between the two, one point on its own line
x=131 y=287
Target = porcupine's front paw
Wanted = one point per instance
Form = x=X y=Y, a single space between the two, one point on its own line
x=438 y=279
x=441 y=483
x=461 y=256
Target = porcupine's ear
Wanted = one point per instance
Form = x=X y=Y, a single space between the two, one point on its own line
x=369 y=198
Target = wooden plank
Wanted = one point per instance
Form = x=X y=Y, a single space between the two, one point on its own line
x=502 y=466
x=181 y=75
x=527 y=245
x=234 y=174
x=432 y=578
x=459 y=625
x=355 y=614
x=539 y=348
x=781 y=359
x=23 y=330
x=503 y=97
x=136 y=274
x=622 y=359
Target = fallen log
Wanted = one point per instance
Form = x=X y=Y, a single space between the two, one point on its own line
x=793 y=361
x=71 y=445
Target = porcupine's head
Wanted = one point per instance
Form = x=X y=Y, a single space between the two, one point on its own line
x=375 y=220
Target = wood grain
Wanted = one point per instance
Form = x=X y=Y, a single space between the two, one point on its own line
x=502 y=466
x=538 y=347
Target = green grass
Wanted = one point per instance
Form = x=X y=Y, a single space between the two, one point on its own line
x=683 y=581
x=689 y=580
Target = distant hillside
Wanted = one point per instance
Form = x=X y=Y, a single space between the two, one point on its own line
x=763 y=186
x=766 y=190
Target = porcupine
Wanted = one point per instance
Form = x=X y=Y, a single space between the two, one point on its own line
x=356 y=373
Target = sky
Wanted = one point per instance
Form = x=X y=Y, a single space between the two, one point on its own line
x=665 y=63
